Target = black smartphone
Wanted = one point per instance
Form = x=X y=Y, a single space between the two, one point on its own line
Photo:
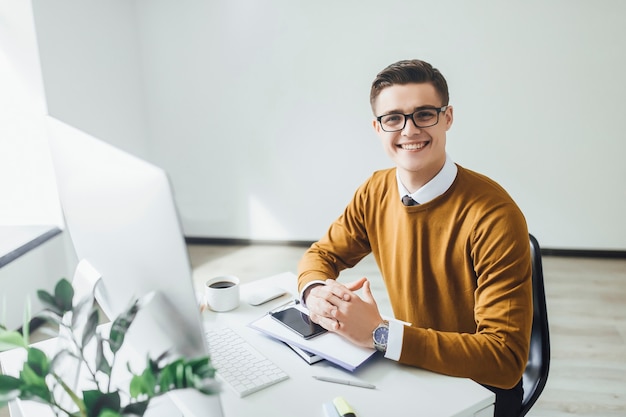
x=299 y=322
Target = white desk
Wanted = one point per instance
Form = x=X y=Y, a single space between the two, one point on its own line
x=399 y=388
x=412 y=391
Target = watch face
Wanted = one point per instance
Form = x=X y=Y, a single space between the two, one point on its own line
x=381 y=334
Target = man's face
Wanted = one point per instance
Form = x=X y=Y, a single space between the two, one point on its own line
x=419 y=153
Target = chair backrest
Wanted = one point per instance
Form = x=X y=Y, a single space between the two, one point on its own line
x=536 y=372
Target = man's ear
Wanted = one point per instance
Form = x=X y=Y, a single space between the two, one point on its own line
x=376 y=126
x=449 y=115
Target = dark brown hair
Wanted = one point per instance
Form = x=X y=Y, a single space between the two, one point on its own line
x=408 y=72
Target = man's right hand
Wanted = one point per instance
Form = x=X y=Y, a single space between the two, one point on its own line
x=338 y=308
x=322 y=301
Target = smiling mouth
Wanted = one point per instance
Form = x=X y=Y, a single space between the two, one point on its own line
x=412 y=146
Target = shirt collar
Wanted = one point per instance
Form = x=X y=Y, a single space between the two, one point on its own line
x=433 y=188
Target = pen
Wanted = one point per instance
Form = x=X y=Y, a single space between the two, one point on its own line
x=344 y=382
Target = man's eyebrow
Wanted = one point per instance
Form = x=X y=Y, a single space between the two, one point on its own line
x=424 y=107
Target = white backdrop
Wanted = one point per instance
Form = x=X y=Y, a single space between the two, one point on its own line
x=259 y=109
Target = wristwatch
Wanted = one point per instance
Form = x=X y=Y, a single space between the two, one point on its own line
x=380 y=335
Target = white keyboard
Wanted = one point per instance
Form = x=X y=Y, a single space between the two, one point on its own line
x=239 y=364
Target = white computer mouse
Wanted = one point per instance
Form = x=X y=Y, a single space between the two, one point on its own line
x=264 y=294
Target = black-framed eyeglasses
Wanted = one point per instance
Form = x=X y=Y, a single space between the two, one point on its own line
x=422 y=117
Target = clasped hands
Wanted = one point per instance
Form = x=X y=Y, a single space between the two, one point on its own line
x=337 y=308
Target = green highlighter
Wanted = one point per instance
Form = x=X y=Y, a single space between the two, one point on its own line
x=343 y=408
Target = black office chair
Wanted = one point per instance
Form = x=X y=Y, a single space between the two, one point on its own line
x=536 y=372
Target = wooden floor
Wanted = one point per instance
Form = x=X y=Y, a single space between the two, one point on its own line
x=587 y=316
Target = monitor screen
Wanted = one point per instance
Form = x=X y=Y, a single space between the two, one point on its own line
x=122 y=219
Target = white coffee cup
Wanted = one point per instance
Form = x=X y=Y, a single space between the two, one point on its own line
x=222 y=293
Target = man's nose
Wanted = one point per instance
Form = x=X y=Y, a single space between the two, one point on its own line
x=410 y=128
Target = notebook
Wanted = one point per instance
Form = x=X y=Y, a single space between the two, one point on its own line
x=329 y=346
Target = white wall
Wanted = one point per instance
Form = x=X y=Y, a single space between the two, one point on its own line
x=91 y=65
x=28 y=189
x=243 y=115
x=537 y=88
x=259 y=109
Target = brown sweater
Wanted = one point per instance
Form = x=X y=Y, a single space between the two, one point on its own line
x=458 y=268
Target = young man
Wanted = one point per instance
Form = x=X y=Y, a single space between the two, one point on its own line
x=452 y=247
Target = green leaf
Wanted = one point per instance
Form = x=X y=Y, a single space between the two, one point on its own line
x=36 y=392
x=9 y=383
x=179 y=374
x=31 y=377
x=38 y=362
x=136 y=409
x=48 y=301
x=182 y=373
x=153 y=366
x=34 y=380
x=82 y=308
x=143 y=384
x=90 y=327
x=9 y=389
x=202 y=367
x=120 y=327
x=96 y=402
x=63 y=295
x=165 y=379
x=102 y=363
x=109 y=413
x=11 y=339
x=190 y=377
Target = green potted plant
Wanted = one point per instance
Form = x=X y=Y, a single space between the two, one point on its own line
x=41 y=378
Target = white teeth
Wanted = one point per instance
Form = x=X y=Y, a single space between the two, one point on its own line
x=413 y=146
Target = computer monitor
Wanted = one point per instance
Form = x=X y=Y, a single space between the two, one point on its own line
x=122 y=219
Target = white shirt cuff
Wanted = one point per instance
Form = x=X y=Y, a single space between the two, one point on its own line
x=316 y=282
x=394 y=341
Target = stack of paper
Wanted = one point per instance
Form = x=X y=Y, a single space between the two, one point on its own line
x=309 y=357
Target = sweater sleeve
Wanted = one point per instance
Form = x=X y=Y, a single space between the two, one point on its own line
x=343 y=246
x=496 y=353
